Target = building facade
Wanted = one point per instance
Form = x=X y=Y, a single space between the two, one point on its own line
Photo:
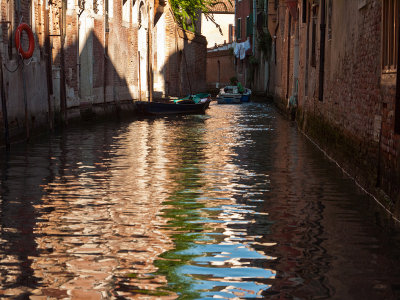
x=93 y=53
x=252 y=33
x=218 y=24
x=339 y=60
x=220 y=38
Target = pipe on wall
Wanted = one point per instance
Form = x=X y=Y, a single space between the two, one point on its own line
x=254 y=26
x=322 y=53
x=397 y=104
x=4 y=107
x=288 y=57
x=106 y=35
x=63 y=93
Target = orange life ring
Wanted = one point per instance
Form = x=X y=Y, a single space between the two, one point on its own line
x=18 y=33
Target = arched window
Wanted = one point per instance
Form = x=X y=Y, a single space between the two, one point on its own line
x=141 y=14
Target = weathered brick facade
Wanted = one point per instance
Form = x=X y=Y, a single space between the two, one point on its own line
x=220 y=68
x=354 y=119
x=95 y=52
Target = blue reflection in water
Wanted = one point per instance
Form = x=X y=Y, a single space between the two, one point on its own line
x=210 y=220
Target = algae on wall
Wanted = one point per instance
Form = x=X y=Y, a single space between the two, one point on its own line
x=361 y=159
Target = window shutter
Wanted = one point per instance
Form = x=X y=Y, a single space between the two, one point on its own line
x=249 y=25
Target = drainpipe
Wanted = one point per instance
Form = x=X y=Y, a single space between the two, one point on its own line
x=254 y=26
x=322 y=53
x=139 y=79
x=49 y=72
x=4 y=106
x=78 y=65
x=149 y=57
x=25 y=104
x=397 y=110
x=234 y=24
x=288 y=57
x=296 y=60
x=266 y=68
x=19 y=15
x=63 y=96
x=106 y=34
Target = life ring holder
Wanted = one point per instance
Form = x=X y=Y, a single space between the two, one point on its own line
x=18 y=33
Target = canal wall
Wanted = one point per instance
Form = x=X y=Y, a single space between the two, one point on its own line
x=344 y=80
x=220 y=67
x=92 y=54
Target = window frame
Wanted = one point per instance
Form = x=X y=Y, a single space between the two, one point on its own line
x=390 y=36
x=239 y=29
x=126 y=11
x=248 y=30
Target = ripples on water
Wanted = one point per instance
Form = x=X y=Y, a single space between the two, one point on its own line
x=233 y=204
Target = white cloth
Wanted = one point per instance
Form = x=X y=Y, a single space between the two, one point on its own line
x=238 y=46
x=241 y=48
x=242 y=52
x=247 y=45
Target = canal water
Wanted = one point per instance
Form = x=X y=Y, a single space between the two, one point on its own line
x=233 y=204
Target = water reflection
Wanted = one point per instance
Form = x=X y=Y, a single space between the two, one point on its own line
x=213 y=254
x=234 y=204
x=80 y=213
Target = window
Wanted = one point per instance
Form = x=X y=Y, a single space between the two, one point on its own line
x=249 y=25
x=95 y=7
x=239 y=28
x=98 y=7
x=313 y=37
x=390 y=29
x=126 y=9
x=329 y=19
x=230 y=33
x=141 y=14
x=304 y=11
x=110 y=8
x=390 y=48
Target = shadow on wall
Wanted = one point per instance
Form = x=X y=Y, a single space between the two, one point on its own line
x=106 y=78
x=97 y=80
x=93 y=77
x=98 y=75
x=184 y=72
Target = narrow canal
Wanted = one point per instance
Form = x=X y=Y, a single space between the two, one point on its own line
x=233 y=204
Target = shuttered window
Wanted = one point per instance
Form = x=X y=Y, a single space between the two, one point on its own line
x=390 y=27
x=239 y=29
x=249 y=25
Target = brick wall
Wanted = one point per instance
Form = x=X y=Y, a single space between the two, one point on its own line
x=186 y=64
x=93 y=74
x=354 y=122
x=224 y=59
x=243 y=9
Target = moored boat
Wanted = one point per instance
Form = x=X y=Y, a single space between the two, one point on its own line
x=192 y=104
x=231 y=95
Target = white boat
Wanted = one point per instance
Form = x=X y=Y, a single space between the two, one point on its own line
x=231 y=95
